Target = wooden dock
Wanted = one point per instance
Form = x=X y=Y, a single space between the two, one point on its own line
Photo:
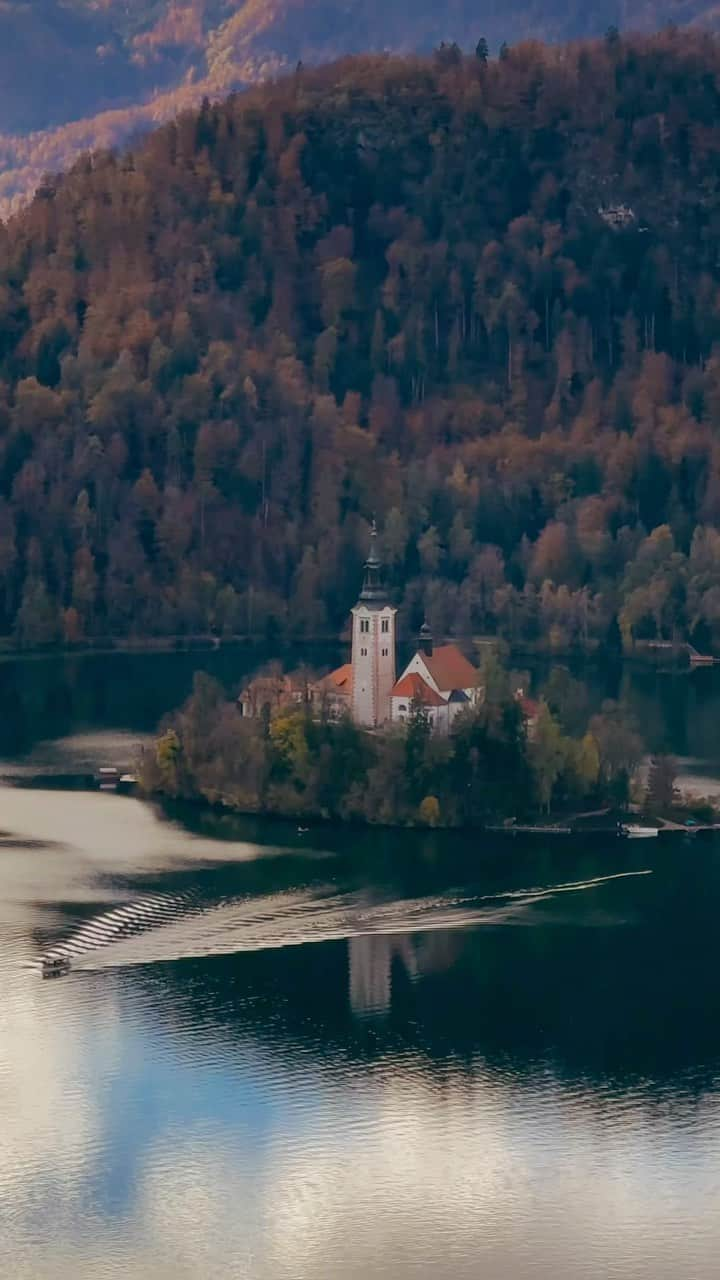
x=531 y=829
x=700 y=659
x=676 y=648
x=665 y=826
x=695 y=828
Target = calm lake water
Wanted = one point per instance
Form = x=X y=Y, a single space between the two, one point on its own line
x=342 y=1056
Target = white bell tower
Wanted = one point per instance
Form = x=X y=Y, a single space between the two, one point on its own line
x=373 y=646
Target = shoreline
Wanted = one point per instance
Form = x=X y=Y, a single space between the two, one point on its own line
x=563 y=828
x=268 y=650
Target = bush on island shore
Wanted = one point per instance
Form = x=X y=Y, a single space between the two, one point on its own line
x=298 y=763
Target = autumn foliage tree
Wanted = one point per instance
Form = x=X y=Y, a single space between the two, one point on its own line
x=476 y=299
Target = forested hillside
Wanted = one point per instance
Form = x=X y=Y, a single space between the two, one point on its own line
x=479 y=300
x=84 y=74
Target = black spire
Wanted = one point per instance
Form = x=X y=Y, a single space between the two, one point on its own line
x=425 y=639
x=373 y=591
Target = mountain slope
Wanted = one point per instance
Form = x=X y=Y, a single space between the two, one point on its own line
x=479 y=301
x=89 y=73
x=58 y=63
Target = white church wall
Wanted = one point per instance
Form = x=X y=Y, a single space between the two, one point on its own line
x=373 y=663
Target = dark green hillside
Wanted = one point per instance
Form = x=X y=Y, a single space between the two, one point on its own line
x=478 y=300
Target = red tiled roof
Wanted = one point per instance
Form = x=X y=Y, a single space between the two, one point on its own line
x=529 y=708
x=340 y=680
x=450 y=668
x=413 y=686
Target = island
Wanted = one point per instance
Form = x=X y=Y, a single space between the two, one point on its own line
x=445 y=744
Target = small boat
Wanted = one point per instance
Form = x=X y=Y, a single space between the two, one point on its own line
x=634 y=831
x=302 y=831
x=54 y=966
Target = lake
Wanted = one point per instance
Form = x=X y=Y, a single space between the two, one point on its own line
x=284 y=1056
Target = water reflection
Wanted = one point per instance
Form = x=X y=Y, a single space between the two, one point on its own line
x=374 y=961
x=174 y=1143
x=370 y=964
x=51 y=697
x=375 y=1059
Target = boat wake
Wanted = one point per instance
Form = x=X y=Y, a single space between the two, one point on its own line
x=150 y=912
x=172 y=927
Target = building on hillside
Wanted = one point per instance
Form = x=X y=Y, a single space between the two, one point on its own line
x=440 y=679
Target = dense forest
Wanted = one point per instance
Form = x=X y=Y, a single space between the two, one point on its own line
x=83 y=74
x=477 y=299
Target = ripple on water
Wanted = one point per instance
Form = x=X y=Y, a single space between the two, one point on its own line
x=170 y=927
x=321 y=1080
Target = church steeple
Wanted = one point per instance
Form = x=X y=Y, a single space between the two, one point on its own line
x=373 y=645
x=425 y=640
x=373 y=592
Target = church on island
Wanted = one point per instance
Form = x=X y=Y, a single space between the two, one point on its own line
x=438 y=677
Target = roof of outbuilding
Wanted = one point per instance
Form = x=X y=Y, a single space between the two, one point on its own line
x=413 y=686
x=450 y=668
x=339 y=680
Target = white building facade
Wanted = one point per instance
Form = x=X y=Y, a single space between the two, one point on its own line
x=441 y=680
